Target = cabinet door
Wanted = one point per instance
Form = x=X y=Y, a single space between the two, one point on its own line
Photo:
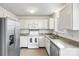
x=75 y=16
x=65 y=18
x=47 y=45
x=23 y=41
x=41 y=41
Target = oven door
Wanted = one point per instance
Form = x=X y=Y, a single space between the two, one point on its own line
x=33 y=42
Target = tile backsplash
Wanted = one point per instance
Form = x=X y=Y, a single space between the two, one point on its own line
x=74 y=34
x=40 y=31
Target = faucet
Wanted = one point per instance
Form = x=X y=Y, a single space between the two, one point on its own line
x=56 y=35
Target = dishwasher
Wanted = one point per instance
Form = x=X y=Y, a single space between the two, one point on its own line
x=54 y=50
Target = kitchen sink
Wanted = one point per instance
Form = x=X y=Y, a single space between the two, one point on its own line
x=54 y=36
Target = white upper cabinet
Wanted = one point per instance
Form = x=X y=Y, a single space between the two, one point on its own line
x=65 y=18
x=41 y=22
x=75 y=16
x=1 y=12
x=68 y=18
x=51 y=23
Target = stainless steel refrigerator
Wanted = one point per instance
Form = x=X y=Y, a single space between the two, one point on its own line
x=9 y=37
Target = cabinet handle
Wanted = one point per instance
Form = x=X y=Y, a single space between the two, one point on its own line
x=36 y=40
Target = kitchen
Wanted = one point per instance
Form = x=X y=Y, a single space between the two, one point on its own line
x=39 y=29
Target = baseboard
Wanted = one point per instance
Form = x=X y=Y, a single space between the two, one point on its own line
x=23 y=47
x=41 y=47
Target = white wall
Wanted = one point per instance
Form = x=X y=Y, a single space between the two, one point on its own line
x=6 y=13
x=41 y=21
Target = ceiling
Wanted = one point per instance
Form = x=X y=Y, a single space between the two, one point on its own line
x=20 y=9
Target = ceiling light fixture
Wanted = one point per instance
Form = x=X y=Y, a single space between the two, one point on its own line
x=31 y=10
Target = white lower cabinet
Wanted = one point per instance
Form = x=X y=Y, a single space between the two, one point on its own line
x=41 y=41
x=66 y=51
x=23 y=41
x=47 y=45
x=59 y=47
x=69 y=52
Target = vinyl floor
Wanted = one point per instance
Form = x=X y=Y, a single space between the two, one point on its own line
x=33 y=52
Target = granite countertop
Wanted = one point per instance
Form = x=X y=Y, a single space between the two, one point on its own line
x=61 y=43
x=26 y=34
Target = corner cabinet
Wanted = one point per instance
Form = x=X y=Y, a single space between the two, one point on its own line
x=69 y=17
x=65 y=18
